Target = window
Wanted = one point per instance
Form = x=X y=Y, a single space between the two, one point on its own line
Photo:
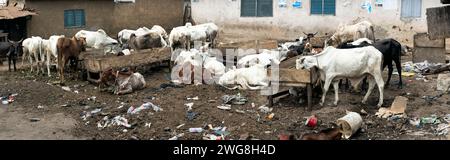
x=256 y=8
x=411 y=8
x=74 y=18
x=323 y=7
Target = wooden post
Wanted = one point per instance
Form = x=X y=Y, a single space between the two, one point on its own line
x=309 y=94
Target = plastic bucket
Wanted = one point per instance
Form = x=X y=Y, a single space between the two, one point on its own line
x=349 y=124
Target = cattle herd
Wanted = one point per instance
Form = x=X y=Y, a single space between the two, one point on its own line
x=351 y=53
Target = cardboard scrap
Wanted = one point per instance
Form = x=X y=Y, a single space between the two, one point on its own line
x=397 y=107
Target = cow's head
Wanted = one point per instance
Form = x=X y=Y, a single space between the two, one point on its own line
x=81 y=41
x=306 y=62
x=309 y=35
x=16 y=47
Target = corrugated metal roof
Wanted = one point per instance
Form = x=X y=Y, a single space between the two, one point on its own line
x=11 y=12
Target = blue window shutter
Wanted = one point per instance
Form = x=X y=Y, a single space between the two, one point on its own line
x=248 y=8
x=265 y=8
x=316 y=6
x=329 y=7
x=69 y=19
x=411 y=8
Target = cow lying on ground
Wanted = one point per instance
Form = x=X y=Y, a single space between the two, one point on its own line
x=354 y=32
x=146 y=41
x=10 y=50
x=254 y=77
x=355 y=64
x=125 y=81
x=391 y=50
x=265 y=58
x=68 y=48
x=200 y=66
x=96 y=39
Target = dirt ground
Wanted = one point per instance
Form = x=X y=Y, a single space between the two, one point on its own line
x=60 y=112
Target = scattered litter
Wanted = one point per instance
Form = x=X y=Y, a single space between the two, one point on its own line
x=181 y=125
x=212 y=137
x=124 y=130
x=433 y=119
x=65 y=105
x=92 y=98
x=224 y=107
x=95 y=111
x=311 y=121
x=177 y=136
x=442 y=129
x=66 y=88
x=194 y=98
x=222 y=132
x=76 y=92
x=447 y=118
x=397 y=108
x=148 y=125
x=195 y=130
x=8 y=99
x=408 y=74
x=270 y=116
x=253 y=105
x=191 y=115
x=40 y=107
x=35 y=119
x=239 y=111
x=265 y=109
x=268 y=132
x=116 y=121
x=234 y=99
x=349 y=124
x=415 y=122
x=189 y=105
x=144 y=106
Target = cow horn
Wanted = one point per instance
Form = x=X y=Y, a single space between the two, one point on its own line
x=20 y=40
x=316 y=33
x=305 y=33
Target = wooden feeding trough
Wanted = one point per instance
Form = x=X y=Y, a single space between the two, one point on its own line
x=289 y=76
x=95 y=62
x=230 y=51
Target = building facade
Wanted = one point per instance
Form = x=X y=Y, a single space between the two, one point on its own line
x=280 y=19
x=69 y=16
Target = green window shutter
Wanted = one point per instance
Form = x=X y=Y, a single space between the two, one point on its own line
x=329 y=7
x=265 y=8
x=248 y=8
x=316 y=6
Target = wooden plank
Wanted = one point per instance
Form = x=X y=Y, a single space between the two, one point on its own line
x=433 y=55
x=144 y=57
x=438 y=21
x=447 y=45
x=424 y=40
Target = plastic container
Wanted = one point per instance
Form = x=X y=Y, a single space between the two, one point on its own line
x=195 y=130
x=350 y=123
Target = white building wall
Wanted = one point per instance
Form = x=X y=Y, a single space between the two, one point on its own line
x=287 y=23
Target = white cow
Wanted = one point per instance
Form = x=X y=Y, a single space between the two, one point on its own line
x=161 y=31
x=50 y=50
x=96 y=39
x=32 y=48
x=265 y=58
x=211 y=30
x=244 y=78
x=346 y=33
x=354 y=64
